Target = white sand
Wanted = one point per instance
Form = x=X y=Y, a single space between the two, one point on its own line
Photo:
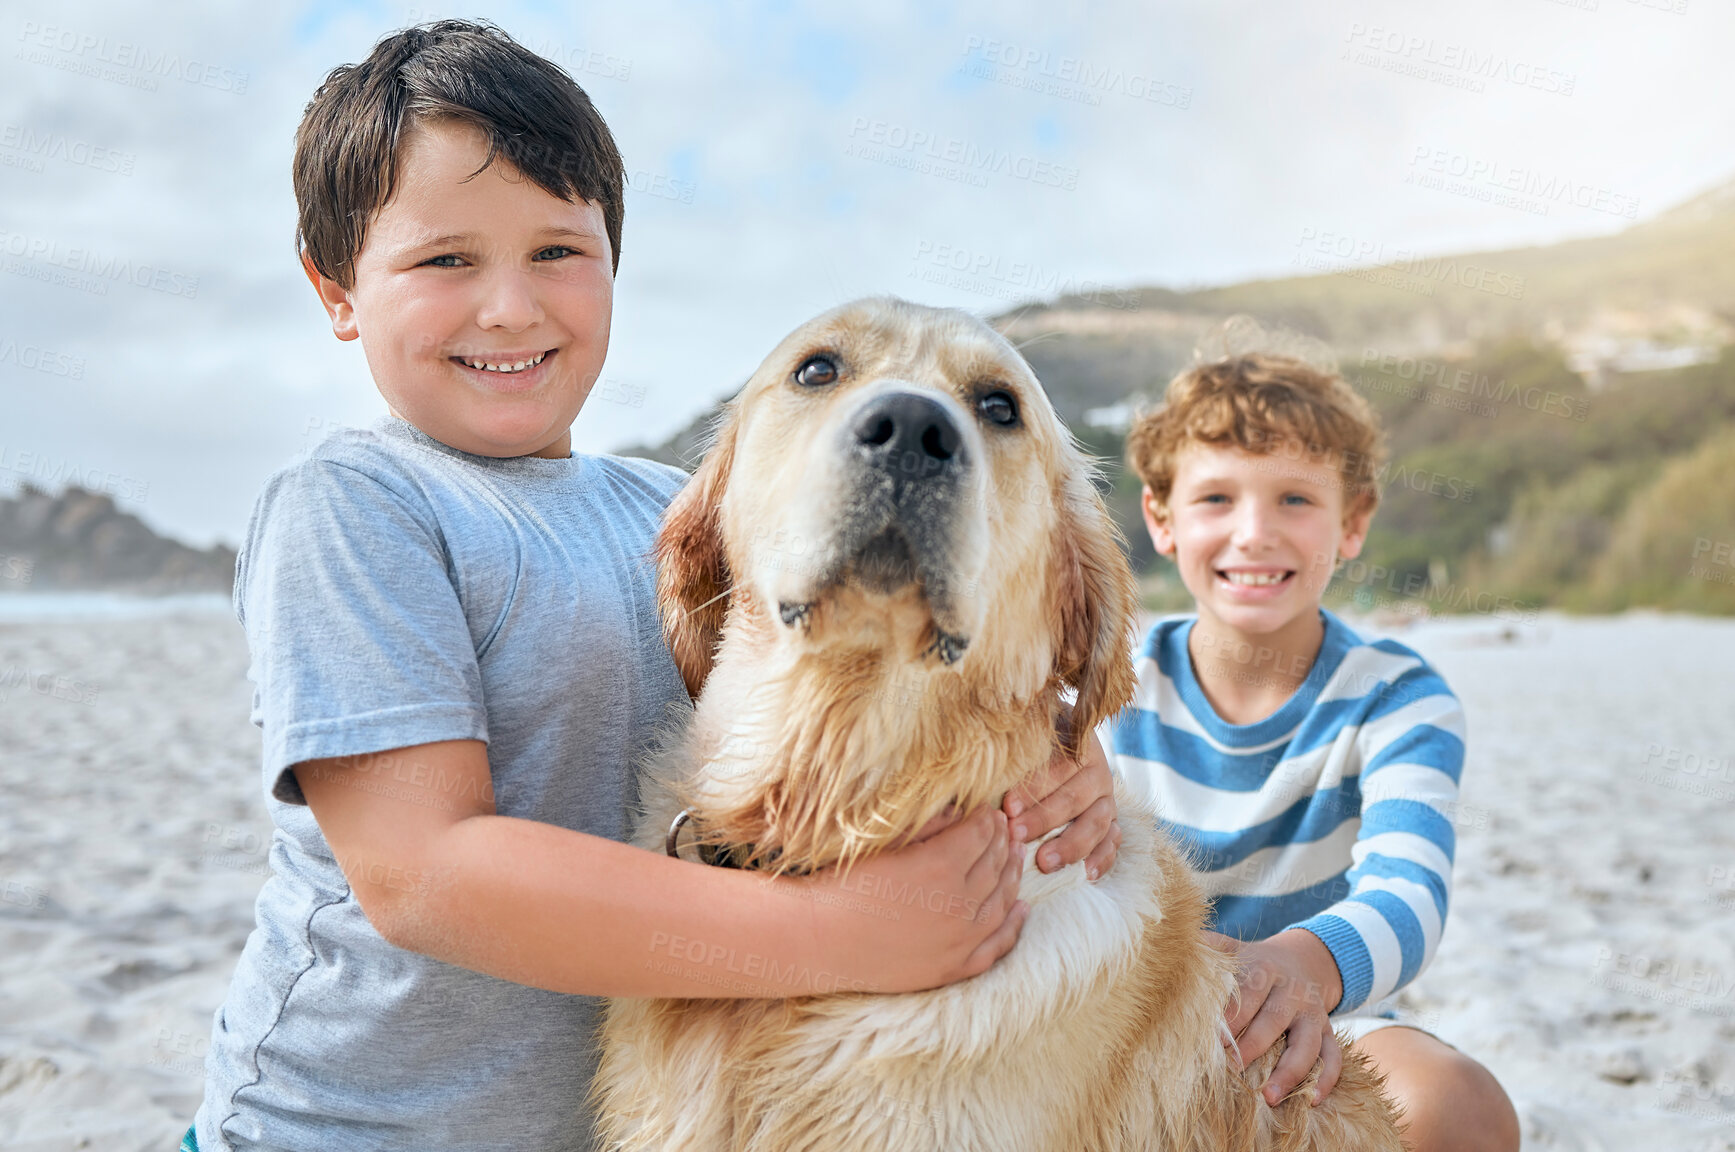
x=120 y=920
x=1589 y=959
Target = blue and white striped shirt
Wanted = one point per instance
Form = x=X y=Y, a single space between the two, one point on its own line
x=1333 y=814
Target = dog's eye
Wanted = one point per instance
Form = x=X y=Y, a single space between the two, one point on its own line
x=816 y=372
x=998 y=408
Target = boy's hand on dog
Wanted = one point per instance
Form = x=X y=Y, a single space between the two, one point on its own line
x=1064 y=789
x=966 y=869
x=1285 y=984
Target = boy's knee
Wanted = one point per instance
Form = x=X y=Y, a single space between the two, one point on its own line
x=1489 y=1121
x=1450 y=1102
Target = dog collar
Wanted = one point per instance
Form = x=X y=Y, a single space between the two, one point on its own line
x=717 y=855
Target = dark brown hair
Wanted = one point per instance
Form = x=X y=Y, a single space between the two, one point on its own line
x=1262 y=403
x=535 y=117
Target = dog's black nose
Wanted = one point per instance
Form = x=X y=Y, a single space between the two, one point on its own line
x=908 y=433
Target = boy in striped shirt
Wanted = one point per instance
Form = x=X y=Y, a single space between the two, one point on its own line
x=1311 y=772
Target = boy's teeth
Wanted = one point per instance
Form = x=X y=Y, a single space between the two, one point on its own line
x=518 y=366
x=1256 y=577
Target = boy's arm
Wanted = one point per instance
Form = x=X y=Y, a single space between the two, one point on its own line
x=1384 y=933
x=1379 y=938
x=558 y=909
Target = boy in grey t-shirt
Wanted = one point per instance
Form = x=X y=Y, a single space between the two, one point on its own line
x=457 y=656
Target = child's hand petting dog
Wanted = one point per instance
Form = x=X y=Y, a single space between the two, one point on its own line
x=1064 y=789
x=940 y=908
x=1285 y=984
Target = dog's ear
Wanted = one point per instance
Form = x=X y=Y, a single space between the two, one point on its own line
x=1095 y=606
x=692 y=570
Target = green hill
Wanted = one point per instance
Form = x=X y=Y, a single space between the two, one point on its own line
x=1561 y=418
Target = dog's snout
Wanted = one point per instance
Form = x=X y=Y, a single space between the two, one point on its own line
x=908 y=431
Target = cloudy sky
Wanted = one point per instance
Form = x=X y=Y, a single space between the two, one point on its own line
x=157 y=339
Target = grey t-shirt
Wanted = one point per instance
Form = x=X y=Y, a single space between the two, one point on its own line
x=395 y=592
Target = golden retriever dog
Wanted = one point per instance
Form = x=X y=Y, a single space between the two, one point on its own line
x=889 y=570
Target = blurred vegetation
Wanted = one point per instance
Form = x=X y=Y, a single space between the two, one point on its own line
x=1674 y=544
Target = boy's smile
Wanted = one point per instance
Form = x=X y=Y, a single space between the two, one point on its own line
x=1254 y=584
x=482 y=302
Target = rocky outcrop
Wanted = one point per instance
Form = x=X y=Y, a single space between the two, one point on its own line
x=78 y=539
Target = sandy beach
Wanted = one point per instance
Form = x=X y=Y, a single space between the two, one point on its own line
x=1589 y=959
